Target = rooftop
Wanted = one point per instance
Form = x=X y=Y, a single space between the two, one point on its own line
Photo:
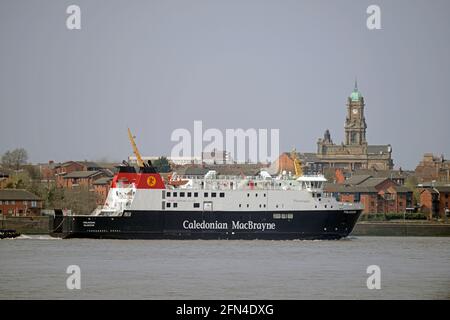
x=17 y=194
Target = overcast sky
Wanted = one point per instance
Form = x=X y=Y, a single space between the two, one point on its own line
x=155 y=66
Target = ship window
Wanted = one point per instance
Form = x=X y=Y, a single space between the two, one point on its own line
x=264 y=206
x=168 y=194
x=222 y=194
x=325 y=206
x=277 y=216
x=175 y=205
x=168 y=205
x=319 y=195
x=196 y=205
x=276 y=206
x=248 y=205
x=182 y=194
x=248 y=194
x=240 y=205
x=174 y=194
x=206 y=194
x=264 y=194
x=283 y=216
x=290 y=216
x=189 y=194
x=195 y=194
x=213 y=194
x=260 y=205
x=256 y=194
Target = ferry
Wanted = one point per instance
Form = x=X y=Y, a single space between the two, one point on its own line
x=142 y=205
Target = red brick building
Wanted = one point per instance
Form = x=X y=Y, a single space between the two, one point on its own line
x=378 y=195
x=101 y=188
x=435 y=201
x=80 y=179
x=433 y=168
x=18 y=202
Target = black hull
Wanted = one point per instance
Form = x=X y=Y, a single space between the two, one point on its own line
x=212 y=225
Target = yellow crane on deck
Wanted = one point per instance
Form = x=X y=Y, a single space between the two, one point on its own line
x=136 y=152
x=297 y=164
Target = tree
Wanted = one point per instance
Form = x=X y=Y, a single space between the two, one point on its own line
x=411 y=183
x=162 y=165
x=14 y=159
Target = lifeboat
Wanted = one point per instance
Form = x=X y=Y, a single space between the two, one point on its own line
x=175 y=181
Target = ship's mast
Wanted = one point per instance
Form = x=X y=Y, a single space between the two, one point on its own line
x=136 y=152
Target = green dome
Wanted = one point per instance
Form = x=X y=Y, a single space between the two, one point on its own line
x=356 y=95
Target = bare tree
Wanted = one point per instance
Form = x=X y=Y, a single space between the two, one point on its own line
x=15 y=159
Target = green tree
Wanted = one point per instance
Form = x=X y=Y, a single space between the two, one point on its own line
x=162 y=165
x=411 y=183
x=15 y=159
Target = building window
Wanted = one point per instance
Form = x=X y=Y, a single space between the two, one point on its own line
x=189 y=194
x=213 y=194
x=175 y=194
x=196 y=205
x=182 y=194
x=33 y=204
x=222 y=194
x=175 y=205
x=168 y=194
x=13 y=202
x=1 y=202
x=195 y=194
x=168 y=205
x=240 y=205
x=205 y=194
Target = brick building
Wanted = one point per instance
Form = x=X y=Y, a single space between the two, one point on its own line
x=378 y=195
x=101 y=188
x=18 y=202
x=435 y=200
x=433 y=168
x=80 y=179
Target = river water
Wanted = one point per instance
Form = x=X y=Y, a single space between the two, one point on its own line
x=410 y=268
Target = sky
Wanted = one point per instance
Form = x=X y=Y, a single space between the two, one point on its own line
x=156 y=66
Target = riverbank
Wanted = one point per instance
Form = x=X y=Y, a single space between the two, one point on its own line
x=402 y=229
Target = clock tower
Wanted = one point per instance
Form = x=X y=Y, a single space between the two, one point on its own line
x=355 y=123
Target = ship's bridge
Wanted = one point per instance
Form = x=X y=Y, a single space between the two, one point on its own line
x=313 y=183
